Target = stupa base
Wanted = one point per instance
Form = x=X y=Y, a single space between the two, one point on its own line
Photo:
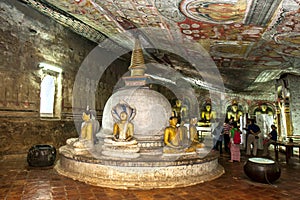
x=120 y=154
x=144 y=172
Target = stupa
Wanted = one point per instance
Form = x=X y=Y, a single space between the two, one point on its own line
x=109 y=164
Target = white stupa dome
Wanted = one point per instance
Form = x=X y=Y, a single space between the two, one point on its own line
x=153 y=111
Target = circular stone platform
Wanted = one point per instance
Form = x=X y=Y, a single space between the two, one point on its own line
x=145 y=172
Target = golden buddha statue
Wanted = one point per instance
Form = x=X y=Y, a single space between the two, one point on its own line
x=86 y=132
x=207 y=115
x=193 y=131
x=194 y=137
x=234 y=112
x=123 y=129
x=122 y=144
x=183 y=134
x=171 y=134
x=86 y=139
x=179 y=111
x=264 y=109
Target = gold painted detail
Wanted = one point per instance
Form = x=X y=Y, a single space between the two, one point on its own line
x=137 y=66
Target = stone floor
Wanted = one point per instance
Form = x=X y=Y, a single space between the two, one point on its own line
x=18 y=181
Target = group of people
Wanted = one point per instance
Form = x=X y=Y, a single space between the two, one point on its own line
x=230 y=129
x=228 y=133
x=252 y=138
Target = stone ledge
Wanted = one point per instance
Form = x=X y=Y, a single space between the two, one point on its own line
x=134 y=177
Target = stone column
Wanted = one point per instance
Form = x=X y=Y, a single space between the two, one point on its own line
x=287 y=114
x=293 y=82
x=278 y=121
x=283 y=99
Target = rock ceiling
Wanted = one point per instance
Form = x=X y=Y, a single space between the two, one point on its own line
x=252 y=42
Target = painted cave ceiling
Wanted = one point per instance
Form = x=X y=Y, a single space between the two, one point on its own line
x=252 y=42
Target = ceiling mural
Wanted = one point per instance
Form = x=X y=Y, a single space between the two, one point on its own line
x=227 y=12
x=245 y=38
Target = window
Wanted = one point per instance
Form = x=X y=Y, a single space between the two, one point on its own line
x=51 y=91
x=47 y=95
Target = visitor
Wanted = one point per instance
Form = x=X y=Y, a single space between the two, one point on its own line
x=218 y=137
x=235 y=152
x=253 y=131
x=272 y=138
x=226 y=128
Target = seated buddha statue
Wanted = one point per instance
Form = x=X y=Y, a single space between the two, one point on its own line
x=122 y=144
x=87 y=134
x=183 y=134
x=193 y=131
x=234 y=112
x=207 y=115
x=263 y=109
x=172 y=134
x=123 y=129
x=179 y=111
x=96 y=125
x=194 y=137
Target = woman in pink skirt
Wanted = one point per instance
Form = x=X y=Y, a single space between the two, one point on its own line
x=235 y=139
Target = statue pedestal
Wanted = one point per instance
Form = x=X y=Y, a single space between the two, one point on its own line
x=144 y=172
x=78 y=146
x=120 y=149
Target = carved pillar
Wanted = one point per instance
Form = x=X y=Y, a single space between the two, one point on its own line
x=287 y=117
x=278 y=121
x=283 y=99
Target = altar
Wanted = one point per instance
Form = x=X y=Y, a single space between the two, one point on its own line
x=203 y=132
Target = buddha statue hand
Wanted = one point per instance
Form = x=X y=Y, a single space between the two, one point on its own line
x=116 y=136
x=128 y=138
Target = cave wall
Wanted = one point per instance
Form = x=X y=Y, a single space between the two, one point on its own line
x=27 y=38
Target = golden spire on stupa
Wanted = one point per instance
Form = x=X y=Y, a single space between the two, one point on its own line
x=137 y=66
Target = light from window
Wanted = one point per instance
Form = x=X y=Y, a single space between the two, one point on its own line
x=47 y=96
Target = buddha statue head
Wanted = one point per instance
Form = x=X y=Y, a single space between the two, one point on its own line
x=178 y=103
x=123 y=112
x=264 y=107
x=208 y=107
x=173 y=121
x=193 y=121
x=86 y=115
x=234 y=106
x=123 y=116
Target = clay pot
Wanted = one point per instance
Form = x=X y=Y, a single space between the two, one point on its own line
x=262 y=170
x=41 y=155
